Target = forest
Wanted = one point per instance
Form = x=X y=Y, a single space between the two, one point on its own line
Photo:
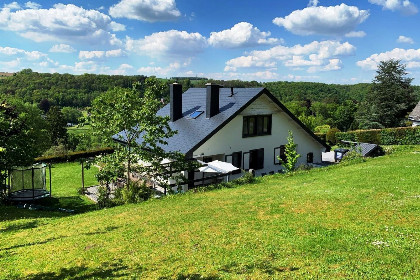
x=65 y=99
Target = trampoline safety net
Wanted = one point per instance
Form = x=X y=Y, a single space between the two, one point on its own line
x=28 y=183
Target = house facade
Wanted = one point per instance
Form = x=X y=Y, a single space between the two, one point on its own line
x=247 y=127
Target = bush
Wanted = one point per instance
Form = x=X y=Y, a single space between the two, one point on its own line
x=352 y=157
x=322 y=136
x=104 y=200
x=135 y=192
x=331 y=136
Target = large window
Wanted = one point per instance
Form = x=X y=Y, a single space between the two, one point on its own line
x=256 y=159
x=256 y=125
x=280 y=152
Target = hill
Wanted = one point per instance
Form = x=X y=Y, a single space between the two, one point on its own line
x=357 y=221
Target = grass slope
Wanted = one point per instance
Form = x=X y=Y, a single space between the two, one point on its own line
x=358 y=221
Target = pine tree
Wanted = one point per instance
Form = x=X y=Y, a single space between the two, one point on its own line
x=389 y=99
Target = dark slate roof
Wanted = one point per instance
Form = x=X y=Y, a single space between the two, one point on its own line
x=365 y=149
x=192 y=133
x=415 y=115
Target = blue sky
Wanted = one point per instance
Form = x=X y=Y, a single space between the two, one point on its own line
x=319 y=41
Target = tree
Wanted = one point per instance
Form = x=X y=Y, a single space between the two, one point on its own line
x=71 y=115
x=44 y=105
x=56 y=126
x=131 y=114
x=389 y=99
x=291 y=154
x=22 y=134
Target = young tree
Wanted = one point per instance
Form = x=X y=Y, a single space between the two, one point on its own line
x=130 y=115
x=291 y=154
x=389 y=99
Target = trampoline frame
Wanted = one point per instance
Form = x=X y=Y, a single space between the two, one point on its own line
x=28 y=194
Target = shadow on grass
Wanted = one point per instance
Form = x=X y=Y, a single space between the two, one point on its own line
x=265 y=267
x=17 y=227
x=49 y=207
x=28 y=244
x=104 y=271
x=194 y=276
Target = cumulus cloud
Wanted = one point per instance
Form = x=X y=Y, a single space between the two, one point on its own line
x=87 y=55
x=12 y=6
x=159 y=71
x=313 y=3
x=30 y=55
x=62 y=48
x=356 y=34
x=172 y=43
x=404 y=6
x=32 y=5
x=321 y=56
x=242 y=34
x=61 y=23
x=333 y=20
x=410 y=57
x=406 y=40
x=146 y=10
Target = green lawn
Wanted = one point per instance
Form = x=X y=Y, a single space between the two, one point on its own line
x=358 y=221
x=75 y=130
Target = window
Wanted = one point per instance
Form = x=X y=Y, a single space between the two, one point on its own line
x=195 y=114
x=310 y=158
x=280 y=152
x=207 y=159
x=256 y=159
x=237 y=159
x=283 y=153
x=256 y=125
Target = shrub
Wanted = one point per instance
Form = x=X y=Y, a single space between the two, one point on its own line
x=352 y=157
x=73 y=156
x=104 y=200
x=135 y=192
x=330 y=137
x=247 y=178
x=323 y=129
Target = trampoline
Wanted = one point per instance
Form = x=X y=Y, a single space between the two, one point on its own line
x=29 y=183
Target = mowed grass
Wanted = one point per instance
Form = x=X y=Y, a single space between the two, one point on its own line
x=79 y=130
x=360 y=221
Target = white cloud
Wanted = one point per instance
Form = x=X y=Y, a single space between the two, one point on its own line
x=242 y=34
x=62 y=48
x=61 y=23
x=410 y=57
x=159 y=71
x=406 y=40
x=30 y=55
x=324 y=55
x=172 y=43
x=87 y=55
x=404 y=6
x=32 y=5
x=146 y=10
x=252 y=76
x=333 y=20
x=12 y=6
x=356 y=34
x=313 y=3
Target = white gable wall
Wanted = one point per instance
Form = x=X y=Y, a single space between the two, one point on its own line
x=229 y=139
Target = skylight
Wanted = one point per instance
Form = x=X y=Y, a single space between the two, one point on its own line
x=195 y=114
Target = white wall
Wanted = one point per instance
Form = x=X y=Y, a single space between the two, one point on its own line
x=229 y=138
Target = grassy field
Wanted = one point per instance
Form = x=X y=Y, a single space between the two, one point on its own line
x=75 y=130
x=359 y=221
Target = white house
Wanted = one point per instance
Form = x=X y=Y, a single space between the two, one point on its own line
x=415 y=115
x=247 y=127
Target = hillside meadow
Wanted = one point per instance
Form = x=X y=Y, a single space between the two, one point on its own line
x=355 y=221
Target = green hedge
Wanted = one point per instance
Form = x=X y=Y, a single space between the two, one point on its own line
x=73 y=156
x=387 y=136
x=322 y=136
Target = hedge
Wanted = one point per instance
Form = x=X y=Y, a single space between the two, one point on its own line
x=387 y=136
x=73 y=156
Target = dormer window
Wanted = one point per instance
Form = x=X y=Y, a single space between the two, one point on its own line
x=256 y=125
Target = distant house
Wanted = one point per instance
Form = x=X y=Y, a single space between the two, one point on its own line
x=415 y=115
x=247 y=127
x=6 y=74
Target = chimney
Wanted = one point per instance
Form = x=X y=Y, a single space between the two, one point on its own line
x=212 y=100
x=175 y=96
